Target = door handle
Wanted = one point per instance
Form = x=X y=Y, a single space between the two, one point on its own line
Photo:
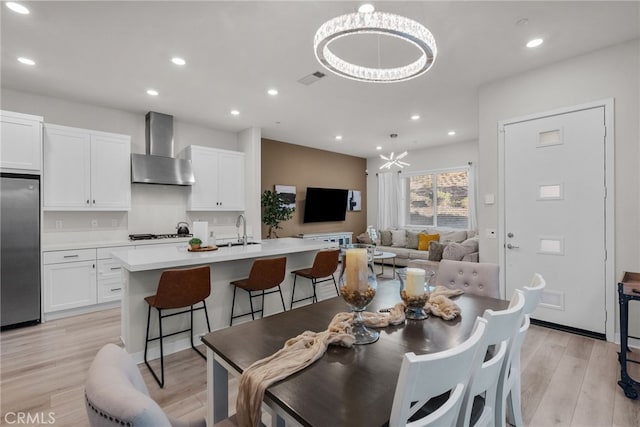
x=510 y=246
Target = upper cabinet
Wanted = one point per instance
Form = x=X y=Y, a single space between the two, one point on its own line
x=219 y=179
x=86 y=170
x=21 y=146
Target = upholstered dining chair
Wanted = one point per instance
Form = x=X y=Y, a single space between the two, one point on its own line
x=178 y=288
x=266 y=274
x=482 y=391
x=508 y=402
x=478 y=278
x=324 y=265
x=428 y=376
x=116 y=394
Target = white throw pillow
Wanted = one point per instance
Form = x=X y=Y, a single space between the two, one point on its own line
x=399 y=238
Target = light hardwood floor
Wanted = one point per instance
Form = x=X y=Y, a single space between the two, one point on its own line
x=568 y=380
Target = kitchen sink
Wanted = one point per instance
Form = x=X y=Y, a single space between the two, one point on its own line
x=237 y=244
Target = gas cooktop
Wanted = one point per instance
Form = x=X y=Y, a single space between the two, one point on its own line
x=157 y=236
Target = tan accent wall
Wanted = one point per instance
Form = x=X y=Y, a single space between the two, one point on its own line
x=302 y=167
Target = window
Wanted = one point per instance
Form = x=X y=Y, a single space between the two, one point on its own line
x=438 y=199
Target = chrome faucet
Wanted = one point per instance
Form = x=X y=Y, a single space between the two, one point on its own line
x=242 y=219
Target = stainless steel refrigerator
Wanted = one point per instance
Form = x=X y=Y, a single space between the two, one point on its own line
x=19 y=250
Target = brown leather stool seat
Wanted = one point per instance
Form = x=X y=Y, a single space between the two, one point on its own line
x=324 y=265
x=266 y=273
x=178 y=288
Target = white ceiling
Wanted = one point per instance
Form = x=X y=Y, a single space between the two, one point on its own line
x=110 y=53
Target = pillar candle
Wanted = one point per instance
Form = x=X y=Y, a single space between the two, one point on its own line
x=356 y=265
x=415 y=281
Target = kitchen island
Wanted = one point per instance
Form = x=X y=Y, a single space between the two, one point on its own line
x=141 y=273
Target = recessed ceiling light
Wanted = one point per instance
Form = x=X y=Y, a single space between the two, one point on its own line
x=366 y=8
x=272 y=92
x=17 y=8
x=26 y=61
x=415 y=117
x=235 y=112
x=534 y=43
x=338 y=137
x=378 y=148
x=152 y=92
x=178 y=61
x=451 y=132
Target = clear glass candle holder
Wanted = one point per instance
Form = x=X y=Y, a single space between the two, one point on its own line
x=414 y=291
x=358 y=286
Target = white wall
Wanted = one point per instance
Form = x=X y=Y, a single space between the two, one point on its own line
x=612 y=72
x=437 y=157
x=154 y=208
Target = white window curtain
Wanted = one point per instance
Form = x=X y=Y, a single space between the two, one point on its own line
x=473 y=196
x=388 y=203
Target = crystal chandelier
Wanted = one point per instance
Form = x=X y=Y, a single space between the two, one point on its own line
x=394 y=162
x=375 y=23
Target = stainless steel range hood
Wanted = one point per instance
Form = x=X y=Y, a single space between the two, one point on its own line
x=159 y=166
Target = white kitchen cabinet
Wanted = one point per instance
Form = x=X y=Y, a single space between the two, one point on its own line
x=109 y=284
x=86 y=170
x=21 y=146
x=69 y=279
x=219 y=177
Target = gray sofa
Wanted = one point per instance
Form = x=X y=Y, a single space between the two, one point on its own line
x=459 y=245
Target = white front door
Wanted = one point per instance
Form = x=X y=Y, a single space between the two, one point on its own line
x=554 y=214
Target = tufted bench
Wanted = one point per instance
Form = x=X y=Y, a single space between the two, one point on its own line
x=478 y=278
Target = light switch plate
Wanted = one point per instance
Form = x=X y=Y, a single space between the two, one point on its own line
x=489 y=199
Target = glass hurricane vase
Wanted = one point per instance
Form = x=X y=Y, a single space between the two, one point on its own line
x=358 y=287
x=414 y=291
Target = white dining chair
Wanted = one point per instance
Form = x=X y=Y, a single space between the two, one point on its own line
x=485 y=371
x=423 y=377
x=508 y=402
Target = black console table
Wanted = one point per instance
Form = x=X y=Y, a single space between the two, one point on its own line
x=628 y=290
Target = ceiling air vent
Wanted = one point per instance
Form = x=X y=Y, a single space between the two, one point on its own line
x=311 y=78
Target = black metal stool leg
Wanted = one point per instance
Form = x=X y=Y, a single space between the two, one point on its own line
x=206 y=315
x=233 y=303
x=161 y=348
x=335 y=284
x=281 y=298
x=191 y=336
x=313 y=285
x=253 y=317
x=146 y=345
x=293 y=290
x=262 y=308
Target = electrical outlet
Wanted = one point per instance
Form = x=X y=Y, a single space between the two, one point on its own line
x=114 y=222
x=94 y=223
x=491 y=233
x=58 y=224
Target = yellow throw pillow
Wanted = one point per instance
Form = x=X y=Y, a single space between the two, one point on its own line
x=424 y=239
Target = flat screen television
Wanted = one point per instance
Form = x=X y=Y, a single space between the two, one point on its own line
x=325 y=204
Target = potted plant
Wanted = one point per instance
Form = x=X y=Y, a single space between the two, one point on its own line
x=274 y=211
x=195 y=243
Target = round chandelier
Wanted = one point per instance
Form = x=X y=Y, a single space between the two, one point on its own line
x=375 y=23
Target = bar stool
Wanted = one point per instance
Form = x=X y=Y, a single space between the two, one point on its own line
x=324 y=265
x=178 y=289
x=266 y=273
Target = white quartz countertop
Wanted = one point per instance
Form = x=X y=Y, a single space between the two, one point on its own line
x=143 y=259
x=110 y=243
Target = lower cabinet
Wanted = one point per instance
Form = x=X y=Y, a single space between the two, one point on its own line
x=81 y=278
x=69 y=279
x=109 y=284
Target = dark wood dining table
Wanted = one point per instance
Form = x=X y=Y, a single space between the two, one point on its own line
x=347 y=386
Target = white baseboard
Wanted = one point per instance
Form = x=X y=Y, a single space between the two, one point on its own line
x=633 y=342
x=79 y=310
x=170 y=347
